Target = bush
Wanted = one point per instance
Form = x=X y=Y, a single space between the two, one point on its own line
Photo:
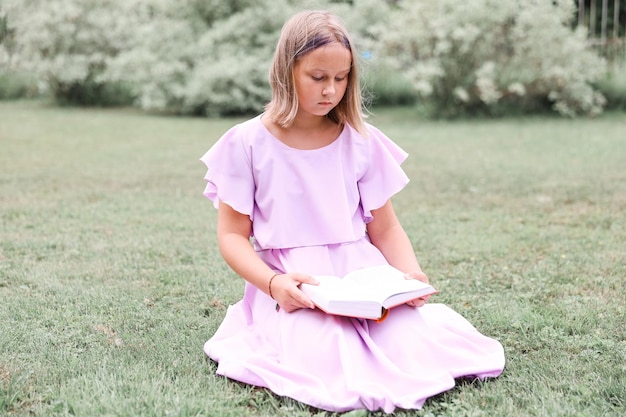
x=15 y=85
x=382 y=83
x=203 y=69
x=213 y=62
x=67 y=44
x=201 y=57
x=386 y=86
x=91 y=93
x=211 y=57
x=613 y=87
x=487 y=55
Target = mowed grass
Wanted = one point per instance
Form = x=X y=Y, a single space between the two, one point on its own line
x=111 y=280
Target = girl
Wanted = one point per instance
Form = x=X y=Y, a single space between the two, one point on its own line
x=304 y=189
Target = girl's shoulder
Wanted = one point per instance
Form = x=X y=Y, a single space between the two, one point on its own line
x=370 y=131
x=237 y=141
x=250 y=128
x=379 y=142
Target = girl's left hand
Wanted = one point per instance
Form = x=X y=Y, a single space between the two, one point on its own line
x=420 y=276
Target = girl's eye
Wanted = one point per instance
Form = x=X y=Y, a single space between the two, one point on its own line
x=340 y=78
x=318 y=78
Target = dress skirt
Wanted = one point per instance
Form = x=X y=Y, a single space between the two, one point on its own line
x=338 y=363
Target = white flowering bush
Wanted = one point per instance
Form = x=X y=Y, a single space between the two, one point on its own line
x=211 y=57
x=66 y=44
x=112 y=51
x=231 y=62
x=486 y=55
x=205 y=57
x=175 y=66
x=178 y=56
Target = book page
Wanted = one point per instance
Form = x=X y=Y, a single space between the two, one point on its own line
x=372 y=275
x=337 y=289
x=389 y=284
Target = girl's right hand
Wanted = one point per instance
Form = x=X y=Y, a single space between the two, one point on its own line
x=285 y=289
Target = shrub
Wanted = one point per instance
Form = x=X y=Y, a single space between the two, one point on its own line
x=485 y=55
x=382 y=83
x=16 y=85
x=202 y=68
x=67 y=43
x=613 y=86
x=214 y=62
x=386 y=86
x=203 y=57
x=211 y=57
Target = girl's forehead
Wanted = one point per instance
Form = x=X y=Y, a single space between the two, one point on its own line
x=334 y=55
x=321 y=39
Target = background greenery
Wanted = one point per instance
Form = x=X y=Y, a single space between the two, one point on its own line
x=111 y=281
x=211 y=57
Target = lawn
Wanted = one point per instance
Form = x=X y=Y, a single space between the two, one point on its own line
x=111 y=281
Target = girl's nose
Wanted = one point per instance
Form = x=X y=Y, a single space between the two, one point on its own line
x=329 y=89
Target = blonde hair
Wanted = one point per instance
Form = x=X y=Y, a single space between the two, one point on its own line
x=303 y=33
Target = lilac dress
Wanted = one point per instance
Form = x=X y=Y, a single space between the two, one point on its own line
x=309 y=209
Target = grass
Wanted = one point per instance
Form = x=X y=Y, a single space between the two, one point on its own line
x=110 y=278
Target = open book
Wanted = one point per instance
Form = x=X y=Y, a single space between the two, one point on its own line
x=366 y=293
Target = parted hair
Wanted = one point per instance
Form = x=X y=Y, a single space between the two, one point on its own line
x=301 y=34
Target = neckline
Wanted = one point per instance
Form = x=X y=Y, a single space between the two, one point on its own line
x=284 y=145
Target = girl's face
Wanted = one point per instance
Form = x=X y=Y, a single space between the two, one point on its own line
x=321 y=78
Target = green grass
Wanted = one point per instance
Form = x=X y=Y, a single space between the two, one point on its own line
x=111 y=281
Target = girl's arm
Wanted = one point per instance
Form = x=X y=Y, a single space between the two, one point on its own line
x=233 y=237
x=388 y=235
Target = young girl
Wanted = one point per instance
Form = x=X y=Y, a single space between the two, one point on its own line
x=304 y=189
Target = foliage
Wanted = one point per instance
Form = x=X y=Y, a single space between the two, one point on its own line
x=480 y=54
x=17 y=85
x=7 y=40
x=202 y=69
x=384 y=85
x=217 y=65
x=232 y=62
x=67 y=44
x=193 y=57
x=613 y=86
x=211 y=57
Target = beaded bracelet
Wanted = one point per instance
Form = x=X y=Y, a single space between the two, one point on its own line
x=269 y=285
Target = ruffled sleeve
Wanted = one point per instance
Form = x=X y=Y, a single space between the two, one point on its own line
x=384 y=176
x=229 y=174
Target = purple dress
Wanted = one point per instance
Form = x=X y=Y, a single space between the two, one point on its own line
x=309 y=210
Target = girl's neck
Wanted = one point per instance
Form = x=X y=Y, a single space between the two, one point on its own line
x=304 y=124
x=306 y=133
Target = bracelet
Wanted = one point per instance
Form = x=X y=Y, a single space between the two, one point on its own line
x=269 y=285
